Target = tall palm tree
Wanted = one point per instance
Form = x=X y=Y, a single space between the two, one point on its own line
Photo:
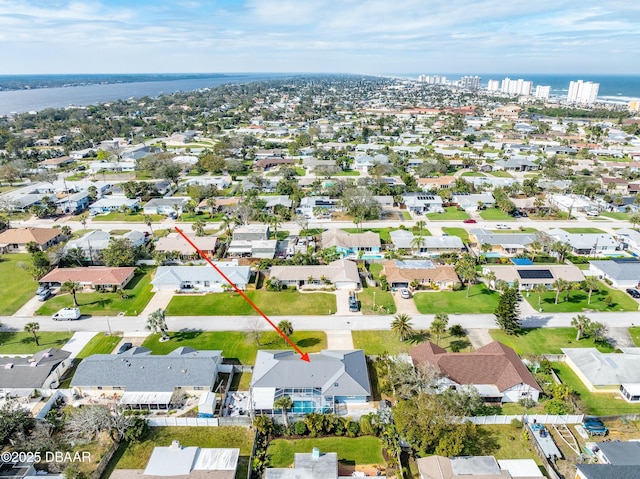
x=283 y=403
x=148 y=222
x=561 y=250
x=581 y=323
x=275 y=221
x=417 y=243
x=71 y=287
x=401 y=325
x=33 y=328
x=156 y=323
x=439 y=325
x=286 y=327
x=198 y=227
x=467 y=271
x=228 y=223
x=536 y=247
x=559 y=285
x=420 y=224
x=211 y=203
x=591 y=284
x=540 y=289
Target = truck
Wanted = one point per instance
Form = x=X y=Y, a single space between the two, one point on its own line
x=67 y=314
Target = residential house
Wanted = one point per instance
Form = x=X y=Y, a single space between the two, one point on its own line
x=437 y=183
x=137 y=379
x=517 y=163
x=312 y=465
x=629 y=240
x=586 y=243
x=92 y=277
x=364 y=162
x=614 y=185
x=271 y=202
x=477 y=467
x=317 y=206
x=529 y=276
x=173 y=205
x=56 y=163
x=494 y=370
x=175 y=243
x=431 y=245
x=619 y=453
x=114 y=203
x=572 y=203
x=507 y=244
x=267 y=164
x=473 y=202
x=251 y=232
x=252 y=240
x=16 y=239
x=400 y=274
x=327 y=384
x=352 y=245
x=73 y=203
x=341 y=273
x=201 y=278
x=622 y=272
x=607 y=372
x=20 y=376
x=94 y=242
x=606 y=471
x=422 y=203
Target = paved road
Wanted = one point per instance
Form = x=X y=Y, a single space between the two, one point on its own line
x=302 y=323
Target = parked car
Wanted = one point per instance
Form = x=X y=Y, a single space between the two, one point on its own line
x=593 y=213
x=67 y=314
x=502 y=226
x=124 y=347
x=353 y=303
x=634 y=293
x=405 y=293
x=41 y=289
x=469 y=220
x=44 y=295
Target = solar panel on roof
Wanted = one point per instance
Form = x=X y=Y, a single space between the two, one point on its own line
x=535 y=274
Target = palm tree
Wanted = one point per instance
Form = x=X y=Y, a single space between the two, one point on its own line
x=540 y=289
x=536 y=247
x=157 y=323
x=33 y=328
x=211 y=203
x=286 y=327
x=591 y=284
x=559 y=285
x=634 y=218
x=561 y=250
x=274 y=221
x=417 y=243
x=283 y=403
x=420 y=224
x=467 y=272
x=581 y=323
x=66 y=230
x=71 y=287
x=228 y=223
x=148 y=222
x=501 y=285
x=401 y=325
x=571 y=287
x=198 y=227
x=439 y=325
x=83 y=220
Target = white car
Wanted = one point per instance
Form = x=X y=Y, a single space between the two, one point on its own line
x=503 y=227
x=593 y=213
x=68 y=314
x=404 y=293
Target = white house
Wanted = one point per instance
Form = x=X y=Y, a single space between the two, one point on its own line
x=166 y=206
x=200 y=278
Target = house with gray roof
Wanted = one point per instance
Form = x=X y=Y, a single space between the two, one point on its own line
x=517 y=163
x=507 y=244
x=94 y=242
x=138 y=379
x=165 y=206
x=471 y=202
x=586 y=243
x=423 y=203
x=22 y=375
x=629 y=240
x=431 y=245
x=201 y=278
x=622 y=272
x=351 y=245
x=607 y=372
x=114 y=203
x=313 y=465
x=331 y=380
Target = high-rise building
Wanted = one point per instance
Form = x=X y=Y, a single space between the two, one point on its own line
x=516 y=87
x=634 y=105
x=584 y=93
x=543 y=91
x=469 y=82
x=433 y=79
x=493 y=85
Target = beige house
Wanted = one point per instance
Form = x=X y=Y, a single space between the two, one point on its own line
x=94 y=277
x=530 y=276
x=438 y=183
x=175 y=242
x=342 y=273
x=400 y=274
x=16 y=239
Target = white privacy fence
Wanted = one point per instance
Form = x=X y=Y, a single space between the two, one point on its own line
x=530 y=418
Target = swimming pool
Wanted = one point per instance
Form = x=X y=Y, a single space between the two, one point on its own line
x=304 y=407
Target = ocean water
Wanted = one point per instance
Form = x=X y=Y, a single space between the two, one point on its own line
x=20 y=101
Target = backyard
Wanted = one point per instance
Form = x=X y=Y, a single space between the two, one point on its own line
x=365 y=450
x=17 y=285
x=577 y=303
x=377 y=342
x=23 y=343
x=235 y=345
x=271 y=303
x=451 y=213
x=539 y=341
x=481 y=300
x=136 y=296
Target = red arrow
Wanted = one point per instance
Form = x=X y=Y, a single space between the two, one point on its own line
x=303 y=356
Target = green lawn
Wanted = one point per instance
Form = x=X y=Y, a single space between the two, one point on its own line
x=634 y=332
x=504 y=442
x=16 y=284
x=375 y=269
x=599 y=404
x=383 y=232
x=136 y=455
x=583 y=231
x=193 y=217
x=23 y=343
x=406 y=215
x=99 y=344
x=271 y=303
x=106 y=304
x=473 y=173
x=347 y=173
x=376 y=342
x=545 y=341
x=480 y=300
x=451 y=213
x=461 y=233
x=383 y=299
x=516 y=230
x=501 y=174
x=495 y=214
x=578 y=301
x=300 y=171
x=127 y=218
x=237 y=345
x=617 y=216
x=359 y=450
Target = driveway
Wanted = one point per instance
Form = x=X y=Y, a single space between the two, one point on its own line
x=160 y=300
x=342 y=303
x=478 y=337
x=77 y=342
x=339 y=340
x=407 y=306
x=30 y=307
x=620 y=338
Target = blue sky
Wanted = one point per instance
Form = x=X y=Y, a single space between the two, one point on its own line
x=356 y=36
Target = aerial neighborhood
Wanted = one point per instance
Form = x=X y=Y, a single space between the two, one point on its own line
x=322 y=277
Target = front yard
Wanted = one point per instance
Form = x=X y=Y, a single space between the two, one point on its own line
x=23 y=343
x=481 y=300
x=495 y=214
x=138 y=293
x=461 y=233
x=377 y=342
x=539 y=341
x=577 y=231
x=577 y=303
x=271 y=303
x=451 y=213
x=16 y=284
x=235 y=345
x=99 y=344
x=365 y=450
x=375 y=301
x=137 y=217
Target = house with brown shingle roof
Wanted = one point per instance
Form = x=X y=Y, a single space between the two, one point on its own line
x=495 y=370
x=16 y=239
x=400 y=273
x=96 y=277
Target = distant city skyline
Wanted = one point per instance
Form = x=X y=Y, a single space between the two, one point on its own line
x=369 y=37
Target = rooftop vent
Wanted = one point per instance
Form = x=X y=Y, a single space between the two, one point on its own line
x=175 y=444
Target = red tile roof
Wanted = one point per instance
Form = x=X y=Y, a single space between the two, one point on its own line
x=98 y=275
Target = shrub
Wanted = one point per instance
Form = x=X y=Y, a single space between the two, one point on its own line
x=301 y=428
x=516 y=423
x=456 y=330
x=556 y=406
x=353 y=428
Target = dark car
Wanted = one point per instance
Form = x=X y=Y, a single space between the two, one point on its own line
x=353 y=303
x=469 y=220
x=124 y=347
x=634 y=293
x=41 y=289
x=46 y=294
